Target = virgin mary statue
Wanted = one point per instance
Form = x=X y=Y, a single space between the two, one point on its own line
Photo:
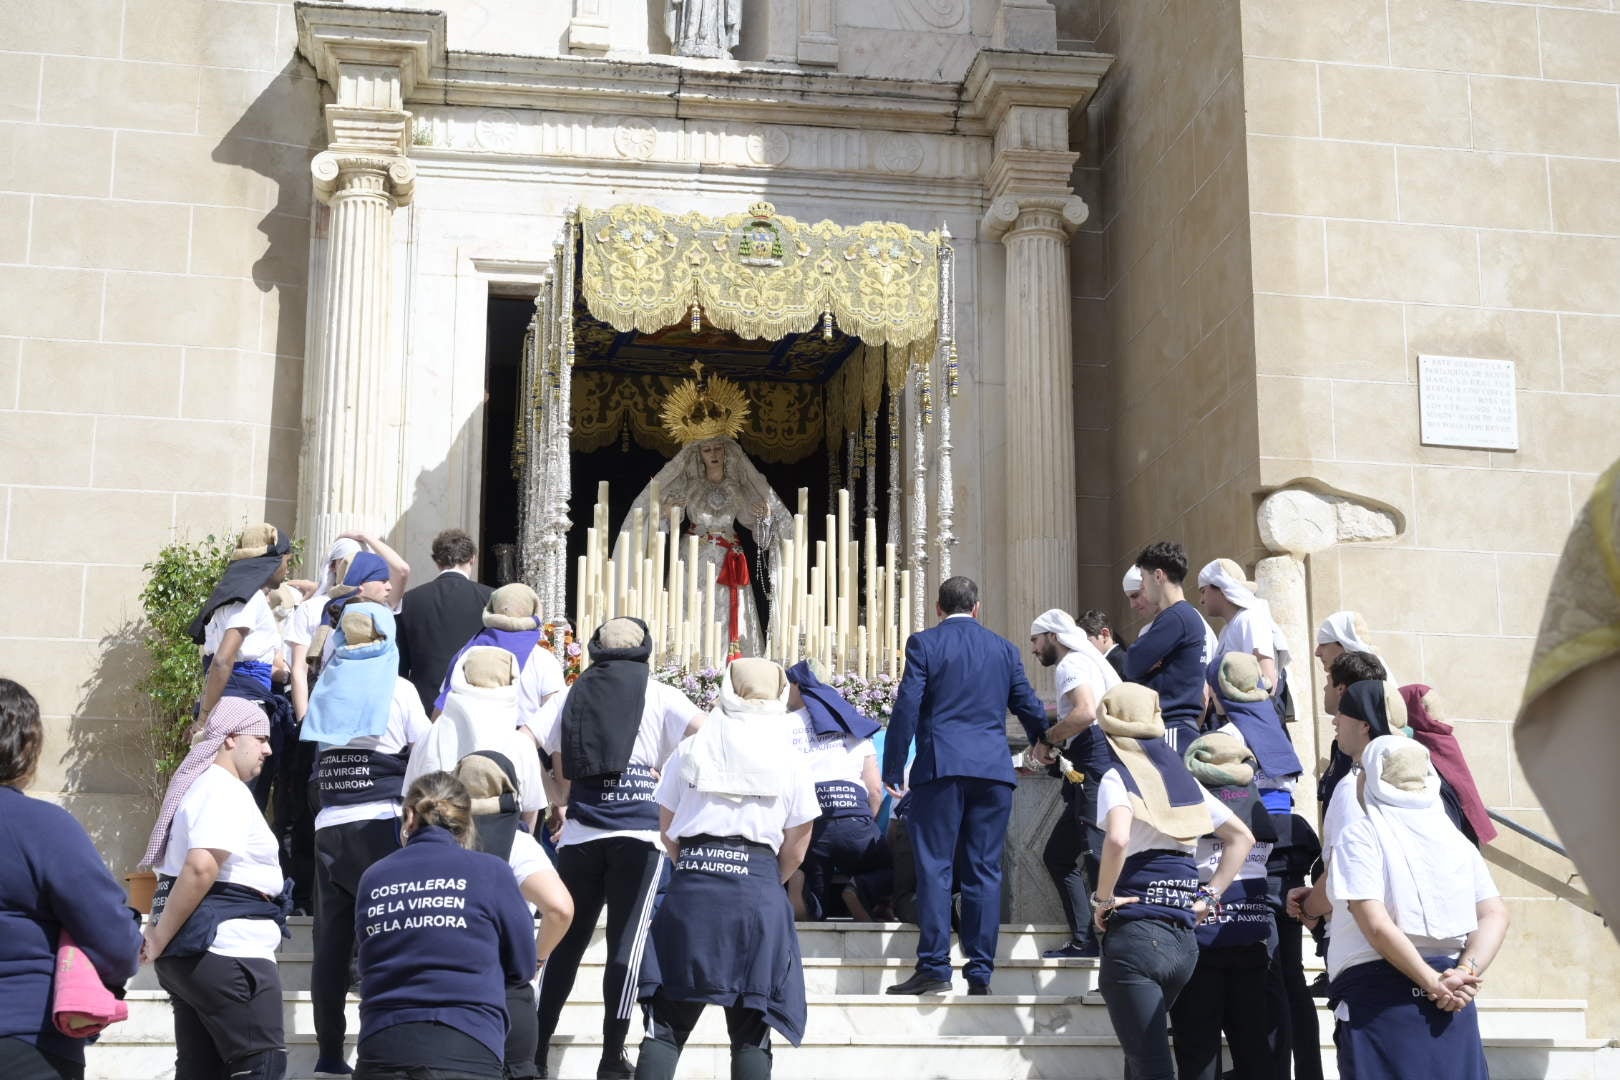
x=720 y=490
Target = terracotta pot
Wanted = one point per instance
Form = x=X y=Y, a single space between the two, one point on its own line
x=141 y=884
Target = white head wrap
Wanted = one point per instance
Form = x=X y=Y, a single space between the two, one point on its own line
x=1133 y=580
x=1071 y=637
x=342 y=550
x=1347 y=629
x=1344 y=628
x=742 y=749
x=1428 y=864
x=1060 y=622
x=1227 y=576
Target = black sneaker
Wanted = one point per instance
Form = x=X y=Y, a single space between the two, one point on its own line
x=615 y=1068
x=1072 y=951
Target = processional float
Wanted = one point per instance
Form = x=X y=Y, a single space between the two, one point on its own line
x=839 y=594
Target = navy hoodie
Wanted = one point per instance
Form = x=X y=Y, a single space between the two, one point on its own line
x=1169 y=658
x=443 y=932
x=52 y=879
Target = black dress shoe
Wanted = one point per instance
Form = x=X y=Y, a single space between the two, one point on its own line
x=615 y=1068
x=978 y=989
x=920 y=984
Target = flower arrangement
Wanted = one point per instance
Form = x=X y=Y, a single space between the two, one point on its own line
x=571 y=652
x=702 y=687
x=872 y=696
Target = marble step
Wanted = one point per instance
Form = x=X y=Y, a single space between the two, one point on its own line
x=838 y=1017
x=869 y=1057
x=822 y=975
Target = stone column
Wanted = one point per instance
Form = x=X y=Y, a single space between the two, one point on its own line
x=371 y=59
x=1041 y=532
x=350 y=473
x=1026 y=99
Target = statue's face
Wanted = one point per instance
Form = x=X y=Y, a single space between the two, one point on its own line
x=714 y=456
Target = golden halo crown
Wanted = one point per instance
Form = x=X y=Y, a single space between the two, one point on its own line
x=704 y=407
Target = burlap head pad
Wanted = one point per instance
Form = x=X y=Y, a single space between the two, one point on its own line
x=1131 y=711
x=485 y=781
x=512 y=607
x=283 y=599
x=487 y=667
x=1395 y=706
x=753 y=679
x=620 y=634
x=1239 y=677
x=358 y=628
x=1406 y=768
x=1220 y=761
x=255 y=540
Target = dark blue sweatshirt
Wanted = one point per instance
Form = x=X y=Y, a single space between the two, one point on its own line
x=1169 y=658
x=52 y=879
x=443 y=932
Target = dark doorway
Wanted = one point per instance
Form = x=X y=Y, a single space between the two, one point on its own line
x=498 y=508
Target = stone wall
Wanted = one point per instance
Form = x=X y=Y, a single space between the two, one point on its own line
x=1439 y=176
x=1165 y=404
x=154 y=224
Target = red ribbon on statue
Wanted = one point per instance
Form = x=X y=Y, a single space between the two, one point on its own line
x=735 y=577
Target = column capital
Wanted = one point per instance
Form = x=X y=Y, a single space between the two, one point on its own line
x=371 y=57
x=1011 y=215
x=337 y=172
x=1001 y=79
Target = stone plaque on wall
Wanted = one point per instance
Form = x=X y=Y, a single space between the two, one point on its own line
x=1464 y=401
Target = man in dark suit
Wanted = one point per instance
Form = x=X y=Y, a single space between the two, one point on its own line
x=437 y=618
x=1100 y=632
x=959 y=683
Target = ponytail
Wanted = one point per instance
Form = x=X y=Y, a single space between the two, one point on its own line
x=437 y=798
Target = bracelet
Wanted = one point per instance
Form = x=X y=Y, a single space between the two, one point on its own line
x=1473 y=965
x=1103 y=902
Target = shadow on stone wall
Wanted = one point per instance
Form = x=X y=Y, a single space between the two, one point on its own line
x=276 y=136
x=109 y=783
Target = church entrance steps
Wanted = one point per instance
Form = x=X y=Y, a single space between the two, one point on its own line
x=1045 y=1020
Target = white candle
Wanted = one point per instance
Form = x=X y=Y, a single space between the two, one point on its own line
x=905 y=612
x=610 y=594
x=582 y=594
x=860 y=648
x=677 y=617
x=709 y=621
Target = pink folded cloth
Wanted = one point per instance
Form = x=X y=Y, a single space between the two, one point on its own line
x=82 y=1006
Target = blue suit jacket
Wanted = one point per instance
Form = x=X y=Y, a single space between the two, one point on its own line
x=960 y=681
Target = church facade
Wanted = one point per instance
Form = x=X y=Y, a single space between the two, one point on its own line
x=1242 y=273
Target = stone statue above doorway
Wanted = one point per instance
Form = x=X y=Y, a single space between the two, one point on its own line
x=706 y=28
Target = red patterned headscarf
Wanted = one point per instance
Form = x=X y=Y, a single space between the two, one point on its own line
x=232 y=716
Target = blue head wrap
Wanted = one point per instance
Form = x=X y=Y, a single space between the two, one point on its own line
x=365 y=566
x=830 y=714
x=355 y=692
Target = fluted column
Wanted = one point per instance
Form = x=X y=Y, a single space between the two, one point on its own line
x=350 y=469
x=1042 y=536
x=371 y=60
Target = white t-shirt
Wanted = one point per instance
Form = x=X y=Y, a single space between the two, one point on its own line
x=1249 y=631
x=218 y=812
x=1111 y=793
x=407 y=726
x=254 y=616
x=837 y=756
x=665 y=713
x=1344 y=809
x=1072 y=672
x=527 y=857
x=1357 y=873
x=542 y=676
x=760 y=818
x=301 y=624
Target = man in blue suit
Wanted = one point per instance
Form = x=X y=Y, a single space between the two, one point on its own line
x=960 y=681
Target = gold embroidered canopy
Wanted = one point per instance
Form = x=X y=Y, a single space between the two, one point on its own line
x=826 y=317
x=761 y=274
